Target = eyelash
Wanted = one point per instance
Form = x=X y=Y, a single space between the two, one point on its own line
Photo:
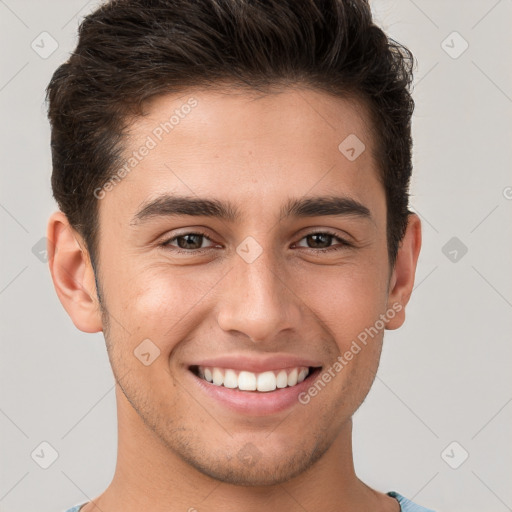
x=166 y=244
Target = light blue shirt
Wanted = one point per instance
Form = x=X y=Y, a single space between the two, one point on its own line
x=405 y=504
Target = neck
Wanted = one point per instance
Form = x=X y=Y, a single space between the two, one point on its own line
x=150 y=476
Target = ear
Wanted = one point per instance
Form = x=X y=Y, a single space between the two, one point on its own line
x=402 y=277
x=72 y=274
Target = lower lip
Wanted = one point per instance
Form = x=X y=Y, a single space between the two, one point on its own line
x=255 y=403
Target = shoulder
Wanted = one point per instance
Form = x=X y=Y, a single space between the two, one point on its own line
x=76 y=508
x=407 y=505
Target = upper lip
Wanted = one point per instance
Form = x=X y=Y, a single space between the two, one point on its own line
x=257 y=364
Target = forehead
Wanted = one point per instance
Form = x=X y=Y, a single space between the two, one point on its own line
x=228 y=117
x=251 y=148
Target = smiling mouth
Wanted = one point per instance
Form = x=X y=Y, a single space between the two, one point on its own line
x=262 y=382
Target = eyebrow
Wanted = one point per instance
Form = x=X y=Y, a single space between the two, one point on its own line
x=171 y=205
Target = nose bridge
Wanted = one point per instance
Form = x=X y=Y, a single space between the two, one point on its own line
x=255 y=301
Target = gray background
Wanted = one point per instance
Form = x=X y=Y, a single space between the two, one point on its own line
x=443 y=376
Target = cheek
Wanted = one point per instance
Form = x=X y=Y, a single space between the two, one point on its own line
x=346 y=299
x=159 y=302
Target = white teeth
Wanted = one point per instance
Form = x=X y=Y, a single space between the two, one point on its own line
x=230 y=379
x=218 y=378
x=249 y=381
x=266 y=381
x=282 y=379
x=302 y=375
x=292 y=377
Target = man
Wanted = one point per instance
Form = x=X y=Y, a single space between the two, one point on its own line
x=232 y=178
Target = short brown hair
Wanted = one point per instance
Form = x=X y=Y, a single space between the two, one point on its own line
x=131 y=50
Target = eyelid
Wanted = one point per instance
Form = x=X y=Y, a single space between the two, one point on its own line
x=325 y=231
x=199 y=232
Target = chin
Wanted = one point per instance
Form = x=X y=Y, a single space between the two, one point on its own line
x=258 y=475
x=252 y=466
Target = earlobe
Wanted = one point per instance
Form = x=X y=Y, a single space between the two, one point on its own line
x=72 y=274
x=402 y=279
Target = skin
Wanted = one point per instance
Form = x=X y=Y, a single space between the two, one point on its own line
x=177 y=449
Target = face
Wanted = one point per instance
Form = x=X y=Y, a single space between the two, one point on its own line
x=281 y=270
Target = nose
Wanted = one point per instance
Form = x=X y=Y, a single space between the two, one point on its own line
x=257 y=300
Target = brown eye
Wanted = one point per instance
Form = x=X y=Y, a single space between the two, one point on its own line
x=319 y=240
x=322 y=241
x=187 y=242
x=190 y=241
